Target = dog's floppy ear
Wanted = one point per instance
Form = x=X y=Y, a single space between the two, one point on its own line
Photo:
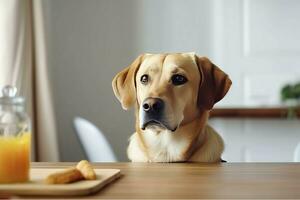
x=214 y=83
x=124 y=84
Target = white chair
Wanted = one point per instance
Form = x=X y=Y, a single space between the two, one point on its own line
x=297 y=153
x=93 y=141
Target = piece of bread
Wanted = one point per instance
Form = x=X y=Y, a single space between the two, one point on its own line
x=86 y=170
x=67 y=176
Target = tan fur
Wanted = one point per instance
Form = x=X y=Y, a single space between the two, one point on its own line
x=187 y=107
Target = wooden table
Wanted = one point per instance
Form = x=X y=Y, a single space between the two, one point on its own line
x=192 y=180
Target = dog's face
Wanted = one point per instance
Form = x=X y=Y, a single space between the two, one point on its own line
x=170 y=89
x=167 y=88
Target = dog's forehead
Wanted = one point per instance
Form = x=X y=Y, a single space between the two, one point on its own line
x=155 y=62
x=152 y=61
x=183 y=60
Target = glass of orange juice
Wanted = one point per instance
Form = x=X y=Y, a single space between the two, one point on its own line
x=14 y=138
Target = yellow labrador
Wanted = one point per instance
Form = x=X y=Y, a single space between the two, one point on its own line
x=173 y=94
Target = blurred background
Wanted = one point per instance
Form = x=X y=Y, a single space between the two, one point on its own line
x=70 y=50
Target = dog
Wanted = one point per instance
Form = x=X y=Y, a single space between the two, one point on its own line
x=173 y=94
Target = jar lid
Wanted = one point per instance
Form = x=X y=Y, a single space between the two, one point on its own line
x=9 y=96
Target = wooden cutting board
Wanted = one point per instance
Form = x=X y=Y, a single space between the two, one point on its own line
x=36 y=186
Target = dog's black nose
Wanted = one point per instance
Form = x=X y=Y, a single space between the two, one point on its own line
x=153 y=105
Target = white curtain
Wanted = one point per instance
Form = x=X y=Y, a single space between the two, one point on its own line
x=23 y=63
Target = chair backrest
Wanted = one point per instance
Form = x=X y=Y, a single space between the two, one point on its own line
x=93 y=141
x=297 y=153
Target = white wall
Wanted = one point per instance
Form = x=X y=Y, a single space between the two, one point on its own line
x=257 y=41
x=90 y=41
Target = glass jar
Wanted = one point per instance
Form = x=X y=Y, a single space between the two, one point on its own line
x=15 y=137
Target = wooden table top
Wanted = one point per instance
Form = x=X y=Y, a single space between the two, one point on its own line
x=192 y=180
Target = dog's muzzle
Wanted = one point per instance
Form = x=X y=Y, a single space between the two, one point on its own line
x=152 y=113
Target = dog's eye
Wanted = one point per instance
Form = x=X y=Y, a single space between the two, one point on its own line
x=144 y=79
x=178 y=79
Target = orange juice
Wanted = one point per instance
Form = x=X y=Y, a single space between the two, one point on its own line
x=14 y=158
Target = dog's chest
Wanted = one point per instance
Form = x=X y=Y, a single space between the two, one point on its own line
x=165 y=146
